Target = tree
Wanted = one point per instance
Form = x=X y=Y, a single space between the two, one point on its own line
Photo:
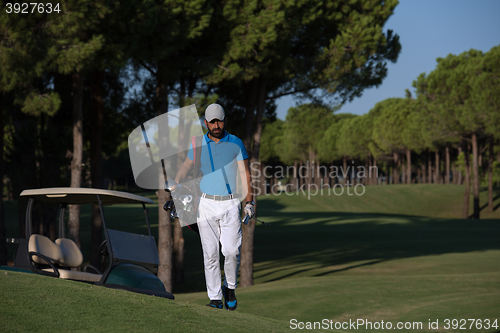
x=388 y=127
x=23 y=55
x=415 y=132
x=485 y=99
x=175 y=25
x=73 y=47
x=449 y=86
x=272 y=137
x=278 y=45
x=328 y=145
x=314 y=120
x=355 y=141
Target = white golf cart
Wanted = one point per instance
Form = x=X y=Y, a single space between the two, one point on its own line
x=133 y=258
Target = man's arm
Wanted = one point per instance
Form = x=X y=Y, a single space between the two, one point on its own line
x=181 y=174
x=244 y=172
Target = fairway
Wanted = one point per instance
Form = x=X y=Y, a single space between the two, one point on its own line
x=398 y=254
x=331 y=258
x=374 y=125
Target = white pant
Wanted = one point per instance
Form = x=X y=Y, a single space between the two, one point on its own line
x=220 y=221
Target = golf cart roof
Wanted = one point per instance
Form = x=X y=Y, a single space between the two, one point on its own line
x=77 y=196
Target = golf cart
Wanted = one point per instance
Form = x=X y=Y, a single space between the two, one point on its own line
x=133 y=258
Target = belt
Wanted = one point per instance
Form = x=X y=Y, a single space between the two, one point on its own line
x=218 y=197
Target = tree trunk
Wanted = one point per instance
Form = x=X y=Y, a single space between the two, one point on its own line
x=436 y=171
x=403 y=171
x=369 y=167
x=465 y=213
x=344 y=173
x=447 y=172
x=164 y=222
x=96 y=120
x=475 y=171
x=295 y=173
x=3 y=246
x=459 y=178
x=251 y=97
x=310 y=170
x=262 y=183
x=429 y=166
x=396 y=168
x=408 y=168
x=246 y=268
x=178 y=253
x=424 y=171
x=454 y=170
x=299 y=175
x=490 y=175
x=318 y=172
x=76 y=163
x=454 y=173
x=326 y=179
x=178 y=237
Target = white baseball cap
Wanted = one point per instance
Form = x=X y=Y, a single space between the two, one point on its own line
x=214 y=111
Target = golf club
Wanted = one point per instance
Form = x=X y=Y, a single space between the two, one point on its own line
x=247 y=218
x=169 y=185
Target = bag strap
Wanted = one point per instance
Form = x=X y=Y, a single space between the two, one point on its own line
x=198 y=142
x=193 y=144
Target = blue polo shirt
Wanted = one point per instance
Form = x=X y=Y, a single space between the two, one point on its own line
x=219 y=163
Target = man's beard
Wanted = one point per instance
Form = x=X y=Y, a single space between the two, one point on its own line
x=216 y=135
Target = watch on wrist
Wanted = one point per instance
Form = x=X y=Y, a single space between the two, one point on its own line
x=250 y=202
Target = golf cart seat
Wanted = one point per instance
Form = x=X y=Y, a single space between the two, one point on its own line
x=57 y=258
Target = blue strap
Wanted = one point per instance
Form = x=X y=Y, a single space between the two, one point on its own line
x=210 y=154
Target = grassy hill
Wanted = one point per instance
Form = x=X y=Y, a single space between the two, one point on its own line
x=385 y=255
x=397 y=253
x=427 y=200
x=36 y=303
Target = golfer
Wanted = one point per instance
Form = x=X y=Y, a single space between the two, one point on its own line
x=223 y=159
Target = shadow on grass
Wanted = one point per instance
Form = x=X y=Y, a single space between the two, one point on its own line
x=486 y=205
x=311 y=243
x=323 y=243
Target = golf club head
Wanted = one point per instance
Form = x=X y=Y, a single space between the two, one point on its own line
x=169 y=205
x=169 y=185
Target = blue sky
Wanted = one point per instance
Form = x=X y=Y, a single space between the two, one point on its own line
x=427 y=30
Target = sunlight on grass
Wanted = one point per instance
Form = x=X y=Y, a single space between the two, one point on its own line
x=399 y=253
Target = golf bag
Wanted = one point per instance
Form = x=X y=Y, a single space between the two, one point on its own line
x=188 y=195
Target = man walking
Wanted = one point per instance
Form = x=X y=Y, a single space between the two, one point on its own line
x=223 y=158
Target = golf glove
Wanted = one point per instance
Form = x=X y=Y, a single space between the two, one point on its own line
x=249 y=210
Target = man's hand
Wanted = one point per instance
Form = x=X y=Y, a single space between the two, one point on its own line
x=249 y=209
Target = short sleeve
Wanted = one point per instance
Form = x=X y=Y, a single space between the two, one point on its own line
x=242 y=155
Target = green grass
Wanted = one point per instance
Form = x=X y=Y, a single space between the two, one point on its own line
x=397 y=253
x=41 y=304
x=416 y=199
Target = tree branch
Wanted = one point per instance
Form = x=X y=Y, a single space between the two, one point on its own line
x=152 y=71
x=294 y=92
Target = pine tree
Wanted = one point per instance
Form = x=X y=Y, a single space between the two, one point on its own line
x=23 y=55
x=291 y=47
x=449 y=89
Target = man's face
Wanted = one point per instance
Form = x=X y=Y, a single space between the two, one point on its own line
x=216 y=127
